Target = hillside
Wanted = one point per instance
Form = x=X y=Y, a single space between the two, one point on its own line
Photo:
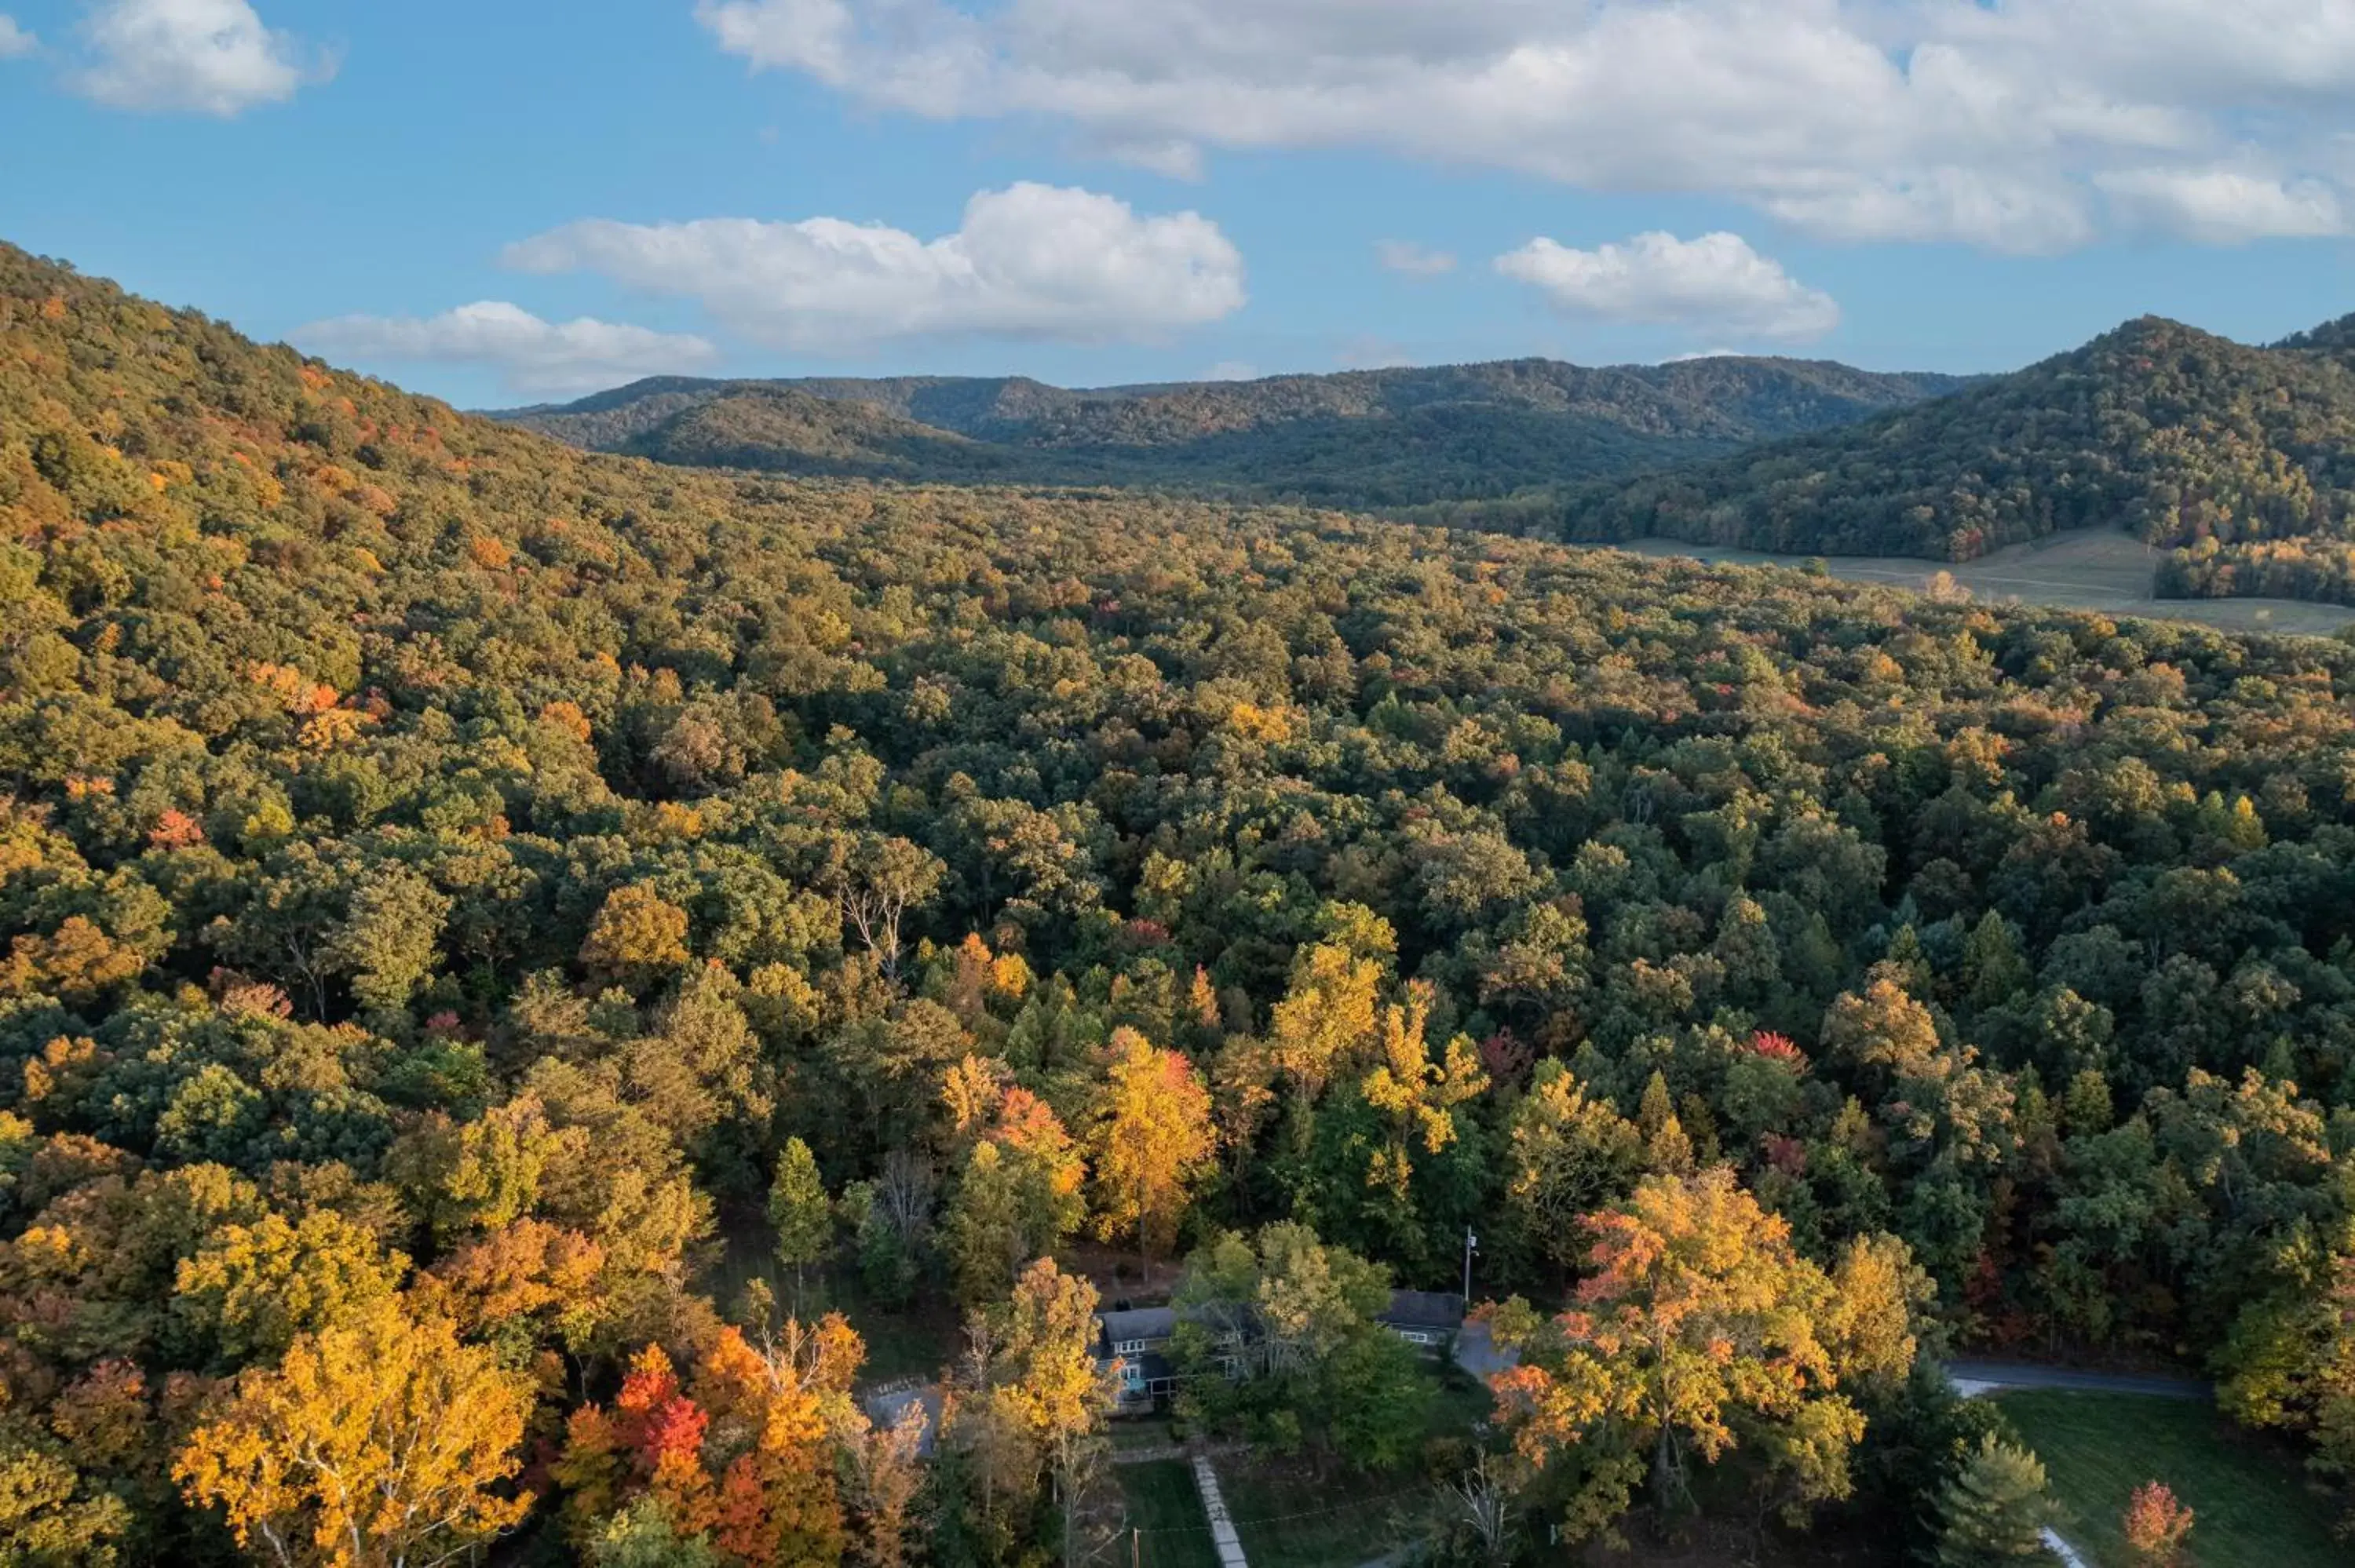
x=1373 y=438
x=2181 y=438
x=490 y=932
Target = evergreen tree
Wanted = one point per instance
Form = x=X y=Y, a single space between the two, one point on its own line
x=1995 y=1509
x=799 y=1210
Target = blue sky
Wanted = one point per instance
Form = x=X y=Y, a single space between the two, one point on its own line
x=1166 y=189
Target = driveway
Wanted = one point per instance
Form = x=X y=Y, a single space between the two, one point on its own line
x=1974 y=1376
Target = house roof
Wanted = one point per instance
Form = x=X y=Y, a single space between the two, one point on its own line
x=1425 y=1309
x=885 y=1406
x=1142 y=1323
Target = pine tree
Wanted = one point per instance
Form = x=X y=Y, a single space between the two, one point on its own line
x=800 y=1211
x=1995 y=1509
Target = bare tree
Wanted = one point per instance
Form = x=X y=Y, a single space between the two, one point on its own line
x=880 y=880
x=1475 y=1512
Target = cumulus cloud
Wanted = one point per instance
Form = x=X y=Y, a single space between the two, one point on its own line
x=15 y=40
x=529 y=355
x=1030 y=261
x=202 y=57
x=1412 y=261
x=1990 y=121
x=2224 y=207
x=1716 y=283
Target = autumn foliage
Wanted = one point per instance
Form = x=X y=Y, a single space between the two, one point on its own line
x=2155 y=1525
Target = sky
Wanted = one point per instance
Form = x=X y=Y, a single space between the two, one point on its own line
x=512 y=201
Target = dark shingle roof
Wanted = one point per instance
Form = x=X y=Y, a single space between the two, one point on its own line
x=1142 y=1323
x=1425 y=1309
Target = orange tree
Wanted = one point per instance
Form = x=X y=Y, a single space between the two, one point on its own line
x=1701 y=1329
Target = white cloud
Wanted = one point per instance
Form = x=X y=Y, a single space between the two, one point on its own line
x=1030 y=261
x=1366 y=351
x=531 y=356
x=203 y=57
x=15 y=40
x=1233 y=370
x=1991 y=121
x=1404 y=256
x=2224 y=207
x=1716 y=283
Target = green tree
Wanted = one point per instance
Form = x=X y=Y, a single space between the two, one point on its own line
x=390 y=940
x=1995 y=1509
x=641 y=1536
x=800 y=1211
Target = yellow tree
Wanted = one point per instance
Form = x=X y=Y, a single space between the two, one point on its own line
x=1046 y=1356
x=1701 y=1326
x=1419 y=1095
x=1018 y=1196
x=637 y=937
x=1568 y=1154
x=379 y=1444
x=1153 y=1142
x=1039 y=1396
x=1328 y=1013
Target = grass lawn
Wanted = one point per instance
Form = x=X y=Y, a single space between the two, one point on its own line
x=1167 y=1511
x=1130 y=1434
x=1288 y=1518
x=2249 y=1500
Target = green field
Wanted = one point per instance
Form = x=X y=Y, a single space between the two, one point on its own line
x=1289 y=1518
x=1165 y=1511
x=2251 y=1503
x=2100 y=570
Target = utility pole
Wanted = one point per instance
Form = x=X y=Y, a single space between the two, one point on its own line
x=1471 y=1245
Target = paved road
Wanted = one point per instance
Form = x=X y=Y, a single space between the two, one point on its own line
x=2022 y=1374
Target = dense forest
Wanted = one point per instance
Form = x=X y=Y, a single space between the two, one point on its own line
x=1368 y=438
x=2243 y=458
x=479 y=920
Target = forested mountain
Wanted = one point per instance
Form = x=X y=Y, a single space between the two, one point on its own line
x=1362 y=438
x=2231 y=453
x=468 y=906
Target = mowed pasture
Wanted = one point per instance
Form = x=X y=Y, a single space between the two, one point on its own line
x=2095 y=569
x=2251 y=1502
x=1165 y=1512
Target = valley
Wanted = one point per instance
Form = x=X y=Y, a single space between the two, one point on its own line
x=2091 y=569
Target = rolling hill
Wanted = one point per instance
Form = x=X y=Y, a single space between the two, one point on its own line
x=1371 y=438
x=2183 y=438
x=446 y=877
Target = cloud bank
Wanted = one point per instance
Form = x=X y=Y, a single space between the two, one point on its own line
x=1032 y=261
x=1715 y=283
x=2023 y=125
x=198 y=56
x=530 y=355
x=1408 y=259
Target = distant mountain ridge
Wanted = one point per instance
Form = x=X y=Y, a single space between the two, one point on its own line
x=2183 y=438
x=1365 y=437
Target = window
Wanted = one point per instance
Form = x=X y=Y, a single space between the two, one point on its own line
x=1128 y=1347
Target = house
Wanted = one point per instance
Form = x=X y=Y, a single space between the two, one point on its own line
x=1138 y=1339
x=886 y=1405
x=1427 y=1320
